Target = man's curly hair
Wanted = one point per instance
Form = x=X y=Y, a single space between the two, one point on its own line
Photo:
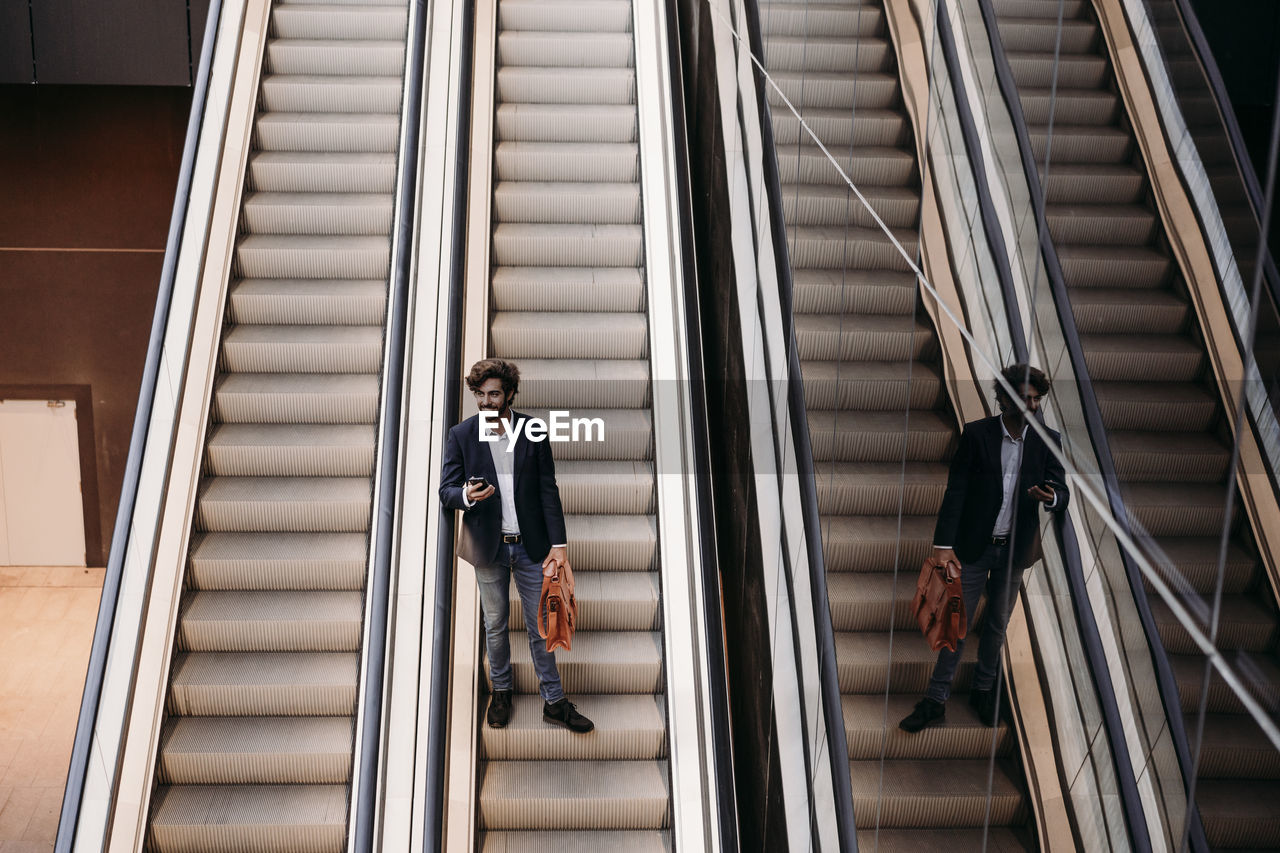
x=1017 y=375
x=485 y=369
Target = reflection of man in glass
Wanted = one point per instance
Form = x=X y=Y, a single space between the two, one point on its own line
x=988 y=524
x=512 y=528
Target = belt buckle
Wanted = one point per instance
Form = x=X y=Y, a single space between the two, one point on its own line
x=511 y=538
x=999 y=540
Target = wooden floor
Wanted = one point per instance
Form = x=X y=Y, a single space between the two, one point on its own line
x=46 y=626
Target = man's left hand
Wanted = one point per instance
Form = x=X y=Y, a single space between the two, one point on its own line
x=1044 y=494
x=558 y=560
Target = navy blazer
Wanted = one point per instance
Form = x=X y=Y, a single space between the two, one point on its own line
x=975 y=490
x=537 y=497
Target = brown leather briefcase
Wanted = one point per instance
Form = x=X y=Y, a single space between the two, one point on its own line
x=939 y=604
x=557 y=614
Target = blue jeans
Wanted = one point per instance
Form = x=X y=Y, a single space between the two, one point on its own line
x=495 y=581
x=991 y=572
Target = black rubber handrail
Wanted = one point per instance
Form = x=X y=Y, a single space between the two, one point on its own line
x=123 y=530
x=837 y=745
x=442 y=623
x=713 y=628
x=379 y=583
x=1099 y=672
x=1093 y=416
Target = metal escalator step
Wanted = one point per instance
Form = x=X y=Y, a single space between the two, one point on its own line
x=584 y=383
x=327 y=132
x=833 y=90
x=263 y=684
x=1082 y=145
x=936 y=793
x=822 y=55
x=1074 y=71
x=1041 y=35
x=600 y=662
x=1195 y=561
x=590 y=841
x=871 y=725
x=612 y=543
x=1130 y=358
x=283 y=301
x=1243 y=624
x=1101 y=224
x=863 y=662
x=565 y=123
x=334 y=57
x=880 y=488
x=234 y=819
x=995 y=839
x=322 y=172
x=871 y=385
x=1240 y=814
x=853 y=291
x=561 y=49
x=829 y=204
x=279 y=561
x=1093 y=183
x=1089 y=107
x=296 y=398
x=1039 y=8
x=256 y=751
x=317 y=213
x=271 y=621
x=286 y=504
x=537 y=85
x=302 y=349
x=871 y=601
x=839 y=129
x=627 y=435
x=628 y=728
x=1148 y=405
x=598 y=16
x=837 y=247
x=576 y=202
x=854 y=436
x=1193 y=457
x=290 y=256
x=1134 y=310
x=873 y=337
x=526 y=244
x=615 y=162
x=568 y=289
x=546 y=334
x=827 y=20
x=606 y=487
x=874 y=166
x=290 y=450
x=310 y=93
x=1176 y=509
x=1261 y=676
x=876 y=544
x=609 y=601
x=591 y=795
x=352 y=21
x=1235 y=748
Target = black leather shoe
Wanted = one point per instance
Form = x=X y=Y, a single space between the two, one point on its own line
x=563 y=713
x=927 y=713
x=499 y=709
x=983 y=703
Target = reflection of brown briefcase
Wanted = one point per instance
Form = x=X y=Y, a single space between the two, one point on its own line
x=560 y=611
x=939 y=604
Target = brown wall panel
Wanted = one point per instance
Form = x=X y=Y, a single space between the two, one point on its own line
x=15 y=42
x=112 y=42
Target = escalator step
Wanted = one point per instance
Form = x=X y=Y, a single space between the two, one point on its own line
x=829 y=20
x=297 y=504
x=1151 y=406
x=853 y=292
x=875 y=337
x=600 y=662
x=1193 y=457
x=1176 y=509
x=590 y=795
x=1234 y=747
x=879 y=436
x=327 y=132
x=364 y=58
x=290 y=450
x=322 y=172
x=996 y=839
x=935 y=792
x=600 y=16
x=834 y=247
x=1041 y=35
x=880 y=488
x=351 y=21
x=866 y=165
x=537 y=85
x=568 y=289
x=628 y=434
x=263 y=684
x=257 y=751
x=609 y=601
x=309 y=93
x=1087 y=107
x=550 y=841
x=566 y=123
x=566 y=49
x=871 y=727
x=298 y=397
x=567 y=245
x=577 y=202
x=288 y=256
x=317 y=213
x=606 y=487
x=1243 y=625
x=279 y=561
x=1147 y=312
x=236 y=818
x=837 y=130
x=303 y=349
x=615 y=162
x=877 y=544
x=1240 y=814
x=616 y=543
x=827 y=204
x=284 y=301
x=577 y=335
x=882 y=386
x=260 y=621
x=1132 y=358
x=821 y=55
x=1261 y=677
x=833 y=90
x=864 y=664
x=628 y=728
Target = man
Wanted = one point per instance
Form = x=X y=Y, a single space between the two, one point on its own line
x=512 y=527
x=988 y=524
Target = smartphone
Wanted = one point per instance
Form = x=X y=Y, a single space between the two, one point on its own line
x=478 y=481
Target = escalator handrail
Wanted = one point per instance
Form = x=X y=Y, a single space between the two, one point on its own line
x=1093 y=415
x=1068 y=546
x=713 y=629
x=442 y=622
x=837 y=746
x=78 y=769
x=364 y=817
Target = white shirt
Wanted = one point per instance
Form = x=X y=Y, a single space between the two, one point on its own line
x=1010 y=468
x=505 y=464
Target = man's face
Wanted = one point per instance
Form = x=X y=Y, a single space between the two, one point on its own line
x=490 y=396
x=1030 y=398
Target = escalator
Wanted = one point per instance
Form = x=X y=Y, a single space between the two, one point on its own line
x=568 y=304
x=872 y=368
x=1157 y=395
x=257 y=746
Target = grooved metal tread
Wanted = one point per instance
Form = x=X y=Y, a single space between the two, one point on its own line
x=628 y=728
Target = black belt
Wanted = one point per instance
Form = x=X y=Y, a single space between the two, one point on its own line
x=511 y=538
x=999 y=540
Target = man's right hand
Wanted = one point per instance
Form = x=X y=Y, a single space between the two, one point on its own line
x=475 y=494
x=945 y=555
